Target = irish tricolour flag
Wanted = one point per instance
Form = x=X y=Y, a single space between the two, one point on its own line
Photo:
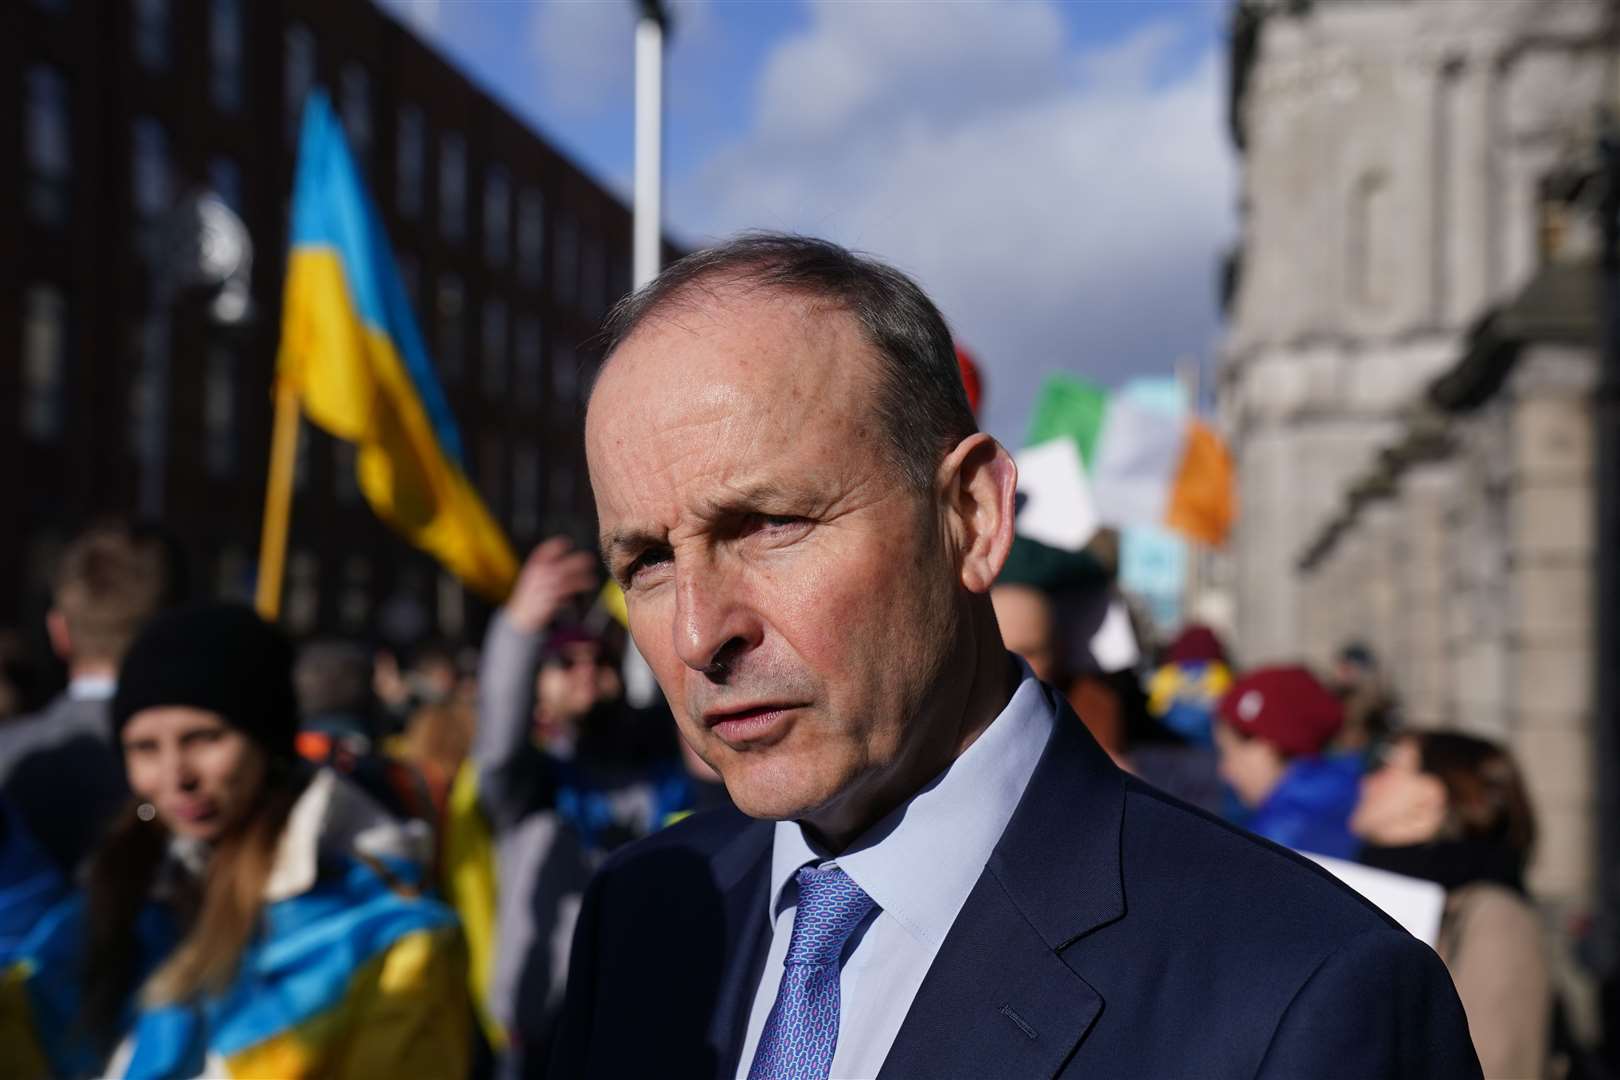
x=1140 y=465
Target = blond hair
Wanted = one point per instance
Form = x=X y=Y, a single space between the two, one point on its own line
x=221 y=914
x=109 y=582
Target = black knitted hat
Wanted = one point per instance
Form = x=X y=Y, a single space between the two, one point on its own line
x=218 y=657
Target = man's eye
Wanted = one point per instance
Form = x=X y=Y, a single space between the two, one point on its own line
x=647 y=560
x=773 y=522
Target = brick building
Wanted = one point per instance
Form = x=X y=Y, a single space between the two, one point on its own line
x=125 y=395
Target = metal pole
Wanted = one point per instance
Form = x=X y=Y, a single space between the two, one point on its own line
x=1606 y=658
x=649 y=141
x=640 y=686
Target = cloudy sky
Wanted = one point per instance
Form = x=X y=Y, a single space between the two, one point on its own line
x=1056 y=175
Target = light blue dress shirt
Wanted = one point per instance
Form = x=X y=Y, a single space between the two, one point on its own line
x=919 y=863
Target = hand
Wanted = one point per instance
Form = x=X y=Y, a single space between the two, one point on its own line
x=552 y=574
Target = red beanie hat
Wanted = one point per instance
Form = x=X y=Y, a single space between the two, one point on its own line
x=1287 y=707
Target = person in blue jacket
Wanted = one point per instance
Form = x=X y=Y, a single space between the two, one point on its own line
x=1273 y=728
x=246 y=915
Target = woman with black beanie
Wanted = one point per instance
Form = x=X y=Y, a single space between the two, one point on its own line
x=245 y=916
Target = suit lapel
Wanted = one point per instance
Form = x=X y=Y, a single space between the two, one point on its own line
x=1000 y=998
x=742 y=871
x=997 y=1000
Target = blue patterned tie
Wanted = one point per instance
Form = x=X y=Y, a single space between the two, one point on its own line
x=802 y=1030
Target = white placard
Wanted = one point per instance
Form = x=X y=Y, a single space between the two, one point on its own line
x=1114 y=646
x=1058 y=509
x=1414 y=903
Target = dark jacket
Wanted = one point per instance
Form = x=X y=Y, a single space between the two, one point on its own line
x=70 y=737
x=1114 y=933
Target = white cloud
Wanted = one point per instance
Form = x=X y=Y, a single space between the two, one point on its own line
x=1065 y=210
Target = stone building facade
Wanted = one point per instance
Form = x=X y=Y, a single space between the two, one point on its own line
x=1407 y=376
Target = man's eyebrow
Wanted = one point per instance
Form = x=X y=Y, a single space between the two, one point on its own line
x=741 y=499
x=746 y=497
x=617 y=541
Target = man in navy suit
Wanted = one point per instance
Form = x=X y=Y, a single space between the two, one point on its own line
x=939 y=873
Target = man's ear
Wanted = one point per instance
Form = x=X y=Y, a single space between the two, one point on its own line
x=56 y=628
x=977 y=482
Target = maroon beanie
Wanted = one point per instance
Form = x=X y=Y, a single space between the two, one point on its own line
x=1194 y=644
x=1287 y=707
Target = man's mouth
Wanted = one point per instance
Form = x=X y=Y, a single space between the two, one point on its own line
x=765 y=722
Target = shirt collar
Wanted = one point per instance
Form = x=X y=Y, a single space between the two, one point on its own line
x=963 y=811
x=92 y=688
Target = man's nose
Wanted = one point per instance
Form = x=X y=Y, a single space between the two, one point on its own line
x=714 y=623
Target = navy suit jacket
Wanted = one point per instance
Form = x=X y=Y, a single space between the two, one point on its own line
x=1115 y=932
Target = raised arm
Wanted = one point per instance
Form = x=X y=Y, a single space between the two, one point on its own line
x=512 y=774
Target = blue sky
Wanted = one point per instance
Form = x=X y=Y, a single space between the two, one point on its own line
x=1057 y=175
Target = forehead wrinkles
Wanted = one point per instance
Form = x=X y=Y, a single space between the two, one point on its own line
x=726 y=389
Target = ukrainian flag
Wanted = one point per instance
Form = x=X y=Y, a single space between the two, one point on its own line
x=352 y=353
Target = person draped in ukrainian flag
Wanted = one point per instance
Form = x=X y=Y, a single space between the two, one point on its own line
x=246 y=915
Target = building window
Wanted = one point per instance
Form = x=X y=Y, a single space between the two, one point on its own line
x=219 y=412
x=225 y=180
x=526 y=491
x=225 y=55
x=497 y=215
x=531 y=232
x=345 y=471
x=493 y=347
x=151 y=33
x=298 y=75
x=564 y=380
x=452 y=302
x=527 y=366
x=409 y=149
x=44 y=362
x=1368 y=268
x=354 y=93
x=303 y=606
x=354 y=602
x=233 y=574
x=150 y=168
x=563 y=487
x=148 y=407
x=593 y=276
x=565 y=271
x=410 y=275
x=452 y=186
x=452 y=606
x=490 y=476
x=49 y=146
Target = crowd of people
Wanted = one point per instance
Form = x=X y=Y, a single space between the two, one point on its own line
x=201 y=810
x=220 y=855
x=224 y=854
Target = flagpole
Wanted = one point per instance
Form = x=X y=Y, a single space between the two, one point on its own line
x=277 y=502
x=647 y=228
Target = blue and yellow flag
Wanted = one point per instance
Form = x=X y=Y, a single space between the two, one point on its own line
x=351 y=351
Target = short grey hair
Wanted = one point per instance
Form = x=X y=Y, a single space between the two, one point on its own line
x=921 y=403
